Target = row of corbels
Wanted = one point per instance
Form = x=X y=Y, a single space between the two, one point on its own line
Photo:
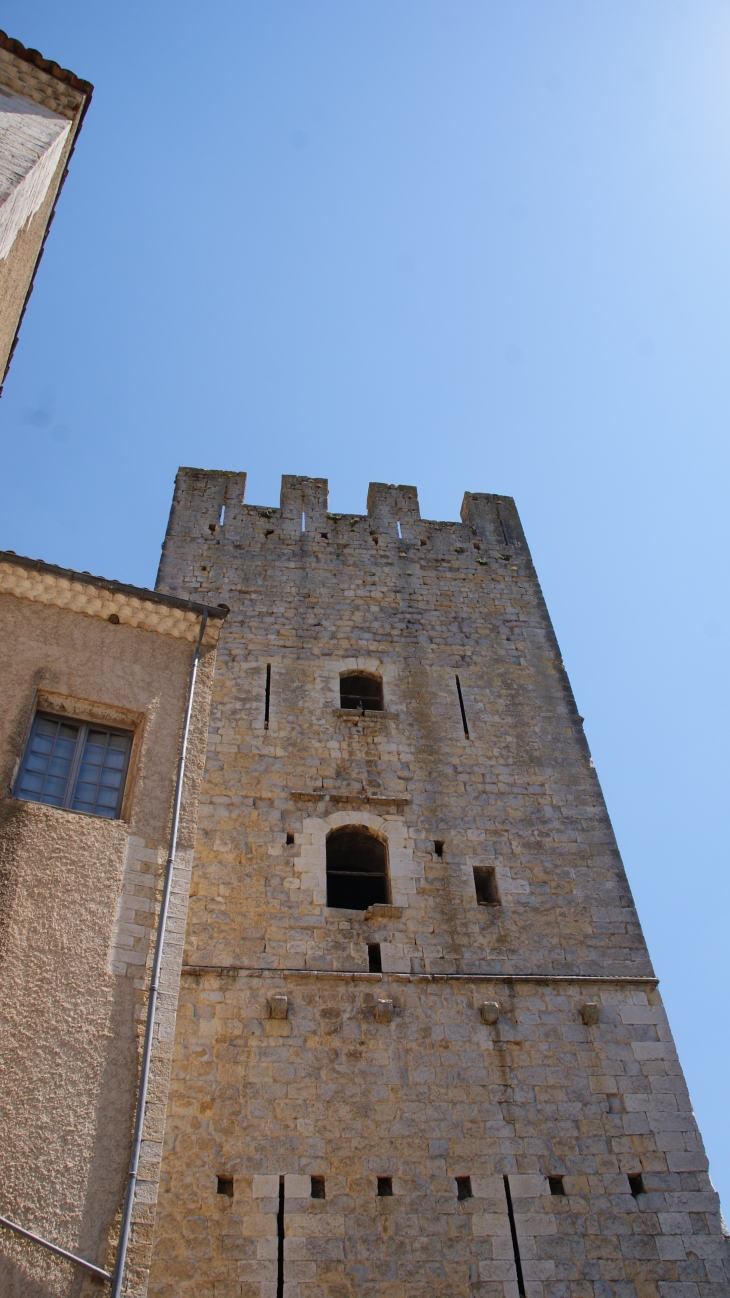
x=489 y=1010
x=279 y=1007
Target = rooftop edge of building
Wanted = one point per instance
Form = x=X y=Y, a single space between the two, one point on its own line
x=113 y=587
x=49 y=66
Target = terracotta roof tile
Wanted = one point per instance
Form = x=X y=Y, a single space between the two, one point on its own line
x=46 y=65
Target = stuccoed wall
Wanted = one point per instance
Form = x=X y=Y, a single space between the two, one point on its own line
x=66 y=100
x=435 y=1093
x=78 y=898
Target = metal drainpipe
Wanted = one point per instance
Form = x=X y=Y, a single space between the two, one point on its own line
x=144 y=1076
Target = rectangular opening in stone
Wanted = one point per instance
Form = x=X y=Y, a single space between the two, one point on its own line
x=463 y=1187
x=318 y=1187
x=356 y=869
x=385 y=1187
x=375 y=963
x=438 y=847
x=361 y=690
x=225 y=1186
x=636 y=1185
x=485 y=884
x=556 y=1185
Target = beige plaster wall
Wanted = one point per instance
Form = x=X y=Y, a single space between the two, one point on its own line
x=77 y=909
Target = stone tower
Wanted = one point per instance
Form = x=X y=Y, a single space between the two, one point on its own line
x=457 y=1077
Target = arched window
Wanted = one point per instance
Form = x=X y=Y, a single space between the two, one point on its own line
x=357 y=869
x=361 y=690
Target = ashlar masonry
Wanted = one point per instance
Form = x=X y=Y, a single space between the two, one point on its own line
x=461 y=1081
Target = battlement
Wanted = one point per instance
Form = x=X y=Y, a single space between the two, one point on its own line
x=209 y=509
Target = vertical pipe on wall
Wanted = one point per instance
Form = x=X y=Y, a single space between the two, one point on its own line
x=144 y=1075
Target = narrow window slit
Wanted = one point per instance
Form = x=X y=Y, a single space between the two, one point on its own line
x=280 y=1238
x=461 y=705
x=501 y=524
x=304 y=521
x=318 y=1188
x=515 y=1241
x=556 y=1185
x=636 y=1185
x=375 y=962
x=385 y=1187
x=289 y=840
x=222 y=518
x=438 y=847
x=267 y=699
x=400 y=534
x=225 y=1186
x=463 y=1187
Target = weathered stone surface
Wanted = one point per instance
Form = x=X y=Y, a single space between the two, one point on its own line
x=436 y=1093
x=79 y=900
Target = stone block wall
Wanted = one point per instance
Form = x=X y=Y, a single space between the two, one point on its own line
x=336 y=1089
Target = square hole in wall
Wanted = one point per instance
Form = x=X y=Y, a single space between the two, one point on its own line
x=438 y=847
x=318 y=1189
x=463 y=1187
x=485 y=883
x=375 y=961
x=385 y=1187
x=556 y=1185
x=225 y=1186
x=289 y=840
x=615 y=1104
x=636 y=1185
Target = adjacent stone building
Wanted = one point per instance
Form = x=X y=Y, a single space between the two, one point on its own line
x=93 y=692
x=420 y=1049
x=42 y=107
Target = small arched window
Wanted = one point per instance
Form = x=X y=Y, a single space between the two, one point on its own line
x=357 y=869
x=361 y=690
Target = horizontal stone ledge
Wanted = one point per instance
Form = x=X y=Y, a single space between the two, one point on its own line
x=626 y=979
x=367 y=714
x=366 y=799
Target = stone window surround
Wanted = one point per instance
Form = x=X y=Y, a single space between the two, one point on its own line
x=403 y=871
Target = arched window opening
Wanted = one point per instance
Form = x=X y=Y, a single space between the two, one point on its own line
x=362 y=691
x=357 y=869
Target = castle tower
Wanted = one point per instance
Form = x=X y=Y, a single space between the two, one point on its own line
x=420 y=1048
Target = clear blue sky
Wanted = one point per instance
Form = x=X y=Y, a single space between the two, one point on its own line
x=481 y=245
